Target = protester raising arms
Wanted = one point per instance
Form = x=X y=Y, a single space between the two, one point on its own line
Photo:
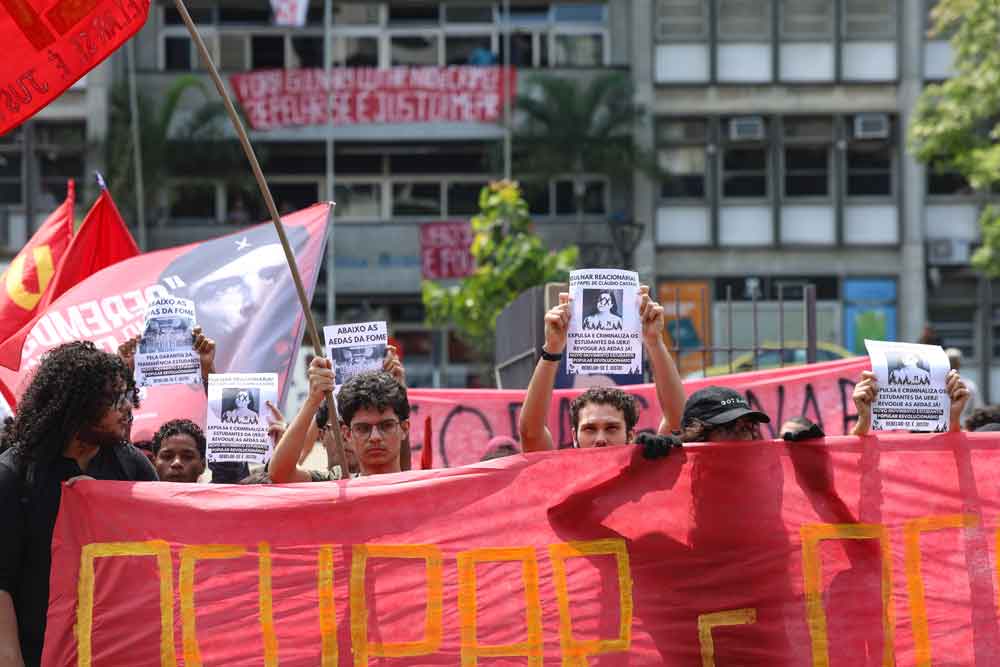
x=867 y=387
x=73 y=422
x=605 y=416
x=200 y=343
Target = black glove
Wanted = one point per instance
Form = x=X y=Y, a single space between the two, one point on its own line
x=814 y=431
x=656 y=446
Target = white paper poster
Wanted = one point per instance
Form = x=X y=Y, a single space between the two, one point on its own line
x=165 y=355
x=911 y=386
x=604 y=331
x=237 y=420
x=356 y=348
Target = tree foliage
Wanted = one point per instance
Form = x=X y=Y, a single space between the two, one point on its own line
x=571 y=128
x=509 y=259
x=957 y=123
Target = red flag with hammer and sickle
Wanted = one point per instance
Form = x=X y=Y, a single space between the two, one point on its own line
x=50 y=44
x=30 y=275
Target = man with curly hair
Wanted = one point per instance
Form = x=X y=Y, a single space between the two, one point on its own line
x=600 y=416
x=179 y=448
x=73 y=422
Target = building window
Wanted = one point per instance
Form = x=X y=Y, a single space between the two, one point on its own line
x=806 y=20
x=469 y=50
x=307 y=52
x=267 y=51
x=177 y=54
x=10 y=178
x=414 y=13
x=193 y=202
x=683 y=157
x=355 y=51
x=468 y=13
x=744 y=158
x=355 y=13
x=416 y=199
x=578 y=50
x=537 y=195
x=744 y=20
x=581 y=196
x=681 y=20
x=463 y=198
x=358 y=200
x=807 y=156
x=946 y=182
x=869 y=19
x=413 y=50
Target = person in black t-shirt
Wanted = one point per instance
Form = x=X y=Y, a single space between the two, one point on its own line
x=73 y=422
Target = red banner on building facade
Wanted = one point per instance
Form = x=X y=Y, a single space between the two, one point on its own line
x=848 y=551
x=444 y=250
x=366 y=95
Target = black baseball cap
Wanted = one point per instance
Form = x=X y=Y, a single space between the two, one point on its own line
x=719 y=405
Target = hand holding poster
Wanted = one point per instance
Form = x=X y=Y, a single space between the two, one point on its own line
x=604 y=329
x=911 y=386
x=165 y=355
x=237 y=422
x=356 y=348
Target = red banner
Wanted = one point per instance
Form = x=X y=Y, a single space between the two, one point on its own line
x=873 y=551
x=465 y=420
x=368 y=95
x=444 y=250
x=243 y=295
x=50 y=44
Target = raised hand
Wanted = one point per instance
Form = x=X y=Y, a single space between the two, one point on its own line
x=557 y=325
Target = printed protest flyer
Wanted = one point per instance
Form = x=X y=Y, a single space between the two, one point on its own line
x=911 y=392
x=165 y=355
x=356 y=348
x=604 y=331
x=237 y=420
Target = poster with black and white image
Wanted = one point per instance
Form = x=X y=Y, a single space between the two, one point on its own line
x=238 y=418
x=164 y=354
x=911 y=395
x=605 y=333
x=356 y=348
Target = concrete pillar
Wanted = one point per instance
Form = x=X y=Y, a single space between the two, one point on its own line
x=640 y=40
x=913 y=181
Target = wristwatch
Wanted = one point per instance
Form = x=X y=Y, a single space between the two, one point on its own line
x=548 y=356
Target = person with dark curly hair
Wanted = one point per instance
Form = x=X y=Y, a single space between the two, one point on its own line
x=600 y=416
x=375 y=417
x=179 y=446
x=73 y=423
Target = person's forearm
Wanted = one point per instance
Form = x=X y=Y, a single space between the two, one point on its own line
x=531 y=426
x=862 y=426
x=10 y=645
x=669 y=388
x=308 y=442
x=286 y=455
x=205 y=372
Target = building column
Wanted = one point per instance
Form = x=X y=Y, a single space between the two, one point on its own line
x=640 y=54
x=913 y=180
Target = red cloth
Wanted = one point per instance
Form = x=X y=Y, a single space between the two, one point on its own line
x=427 y=451
x=102 y=241
x=29 y=279
x=848 y=551
x=48 y=46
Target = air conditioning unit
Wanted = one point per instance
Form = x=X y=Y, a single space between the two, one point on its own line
x=746 y=128
x=948 y=252
x=871 y=126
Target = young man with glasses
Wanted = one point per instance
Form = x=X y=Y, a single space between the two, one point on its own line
x=73 y=422
x=374 y=412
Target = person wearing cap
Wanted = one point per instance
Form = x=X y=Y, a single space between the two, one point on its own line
x=606 y=415
x=718 y=414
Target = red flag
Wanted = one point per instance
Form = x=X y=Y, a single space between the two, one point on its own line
x=29 y=277
x=50 y=44
x=244 y=299
x=103 y=240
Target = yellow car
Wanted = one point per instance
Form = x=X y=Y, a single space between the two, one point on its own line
x=794 y=354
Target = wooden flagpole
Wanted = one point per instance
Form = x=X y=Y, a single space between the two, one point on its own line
x=265 y=191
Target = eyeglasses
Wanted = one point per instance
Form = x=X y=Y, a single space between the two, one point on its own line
x=363 y=430
x=605 y=299
x=126 y=396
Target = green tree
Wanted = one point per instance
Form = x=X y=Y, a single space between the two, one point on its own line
x=574 y=128
x=172 y=143
x=955 y=123
x=509 y=259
